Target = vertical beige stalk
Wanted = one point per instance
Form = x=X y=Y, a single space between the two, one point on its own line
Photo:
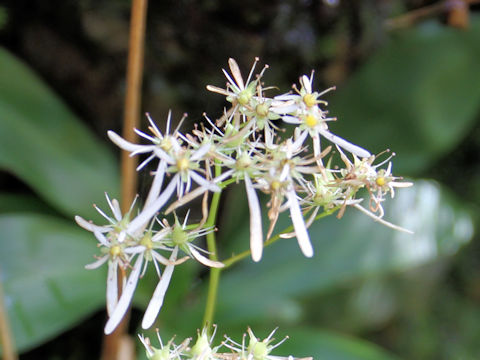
x=6 y=339
x=118 y=346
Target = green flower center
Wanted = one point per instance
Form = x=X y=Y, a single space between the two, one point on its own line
x=179 y=237
x=259 y=350
x=244 y=97
x=262 y=110
x=147 y=241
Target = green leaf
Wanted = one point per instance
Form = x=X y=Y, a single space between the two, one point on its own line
x=47 y=147
x=418 y=95
x=325 y=345
x=350 y=248
x=19 y=203
x=47 y=289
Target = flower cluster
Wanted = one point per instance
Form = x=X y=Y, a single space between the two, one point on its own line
x=203 y=349
x=243 y=145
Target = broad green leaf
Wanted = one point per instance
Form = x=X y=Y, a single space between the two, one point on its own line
x=326 y=345
x=45 y=145
x=47 y=289
x=19 y=203
x=350 y=248
x=418 y=95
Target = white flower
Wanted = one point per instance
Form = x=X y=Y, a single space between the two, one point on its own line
x=256 y=349
x=156 y=301
x=112 y=243
x=169 y=351
x=281 y=185
x=202 y=349
x=238 y=92
x=176 y=237
x=185 y=164
x=302 y=109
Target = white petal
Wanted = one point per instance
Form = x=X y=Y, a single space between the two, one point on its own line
x=291 y=119
x=305 y=82
x=203 y=182
x=354 y=149
x=204 y=260
x=161 y=259
x=96 y=264
x=200 y=152
x=135 y=249
x=256 y=233
x=87 y=225
x=149 y=212
x=101 y=238
x=299 y=224
x=401 y=184
x=156 y=302
x=299 y=141
x=128 y=146
x=125 y=298
x=156 y=184
x=381 y=221
x=163 y=156
x=237 y=74
x=218 y=90
x=112 y=287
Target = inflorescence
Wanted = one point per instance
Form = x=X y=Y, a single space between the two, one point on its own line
x=246 y=145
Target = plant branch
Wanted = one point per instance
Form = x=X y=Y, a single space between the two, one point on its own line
x=212 y=249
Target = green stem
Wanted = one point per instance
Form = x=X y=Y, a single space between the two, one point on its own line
x=212 y=248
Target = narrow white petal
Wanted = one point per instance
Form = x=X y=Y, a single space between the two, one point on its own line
x=149 y=212
x=256 y=233
x=299 y=224
x=204 y=260
x=125 y=298
x=126 y=145
x=400 y=184
x=87 y=225
x=135 y=249
x=96 y=264
x=161 y=259
x=112 y=287
x=156 y=302
x=101 y=238
x=237 y=74
x=115 y=207
x=285 y=97
x=203 y=182
x=354 y=149
x=156 y=184
x=381 y=221
x=305 y=82
x=200 y=152
x=145 y=162
x=163 y=155
x=299 y=141
x=291 y=119
x=218 y=90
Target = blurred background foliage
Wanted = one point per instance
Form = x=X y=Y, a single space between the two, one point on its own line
x=406 y=80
